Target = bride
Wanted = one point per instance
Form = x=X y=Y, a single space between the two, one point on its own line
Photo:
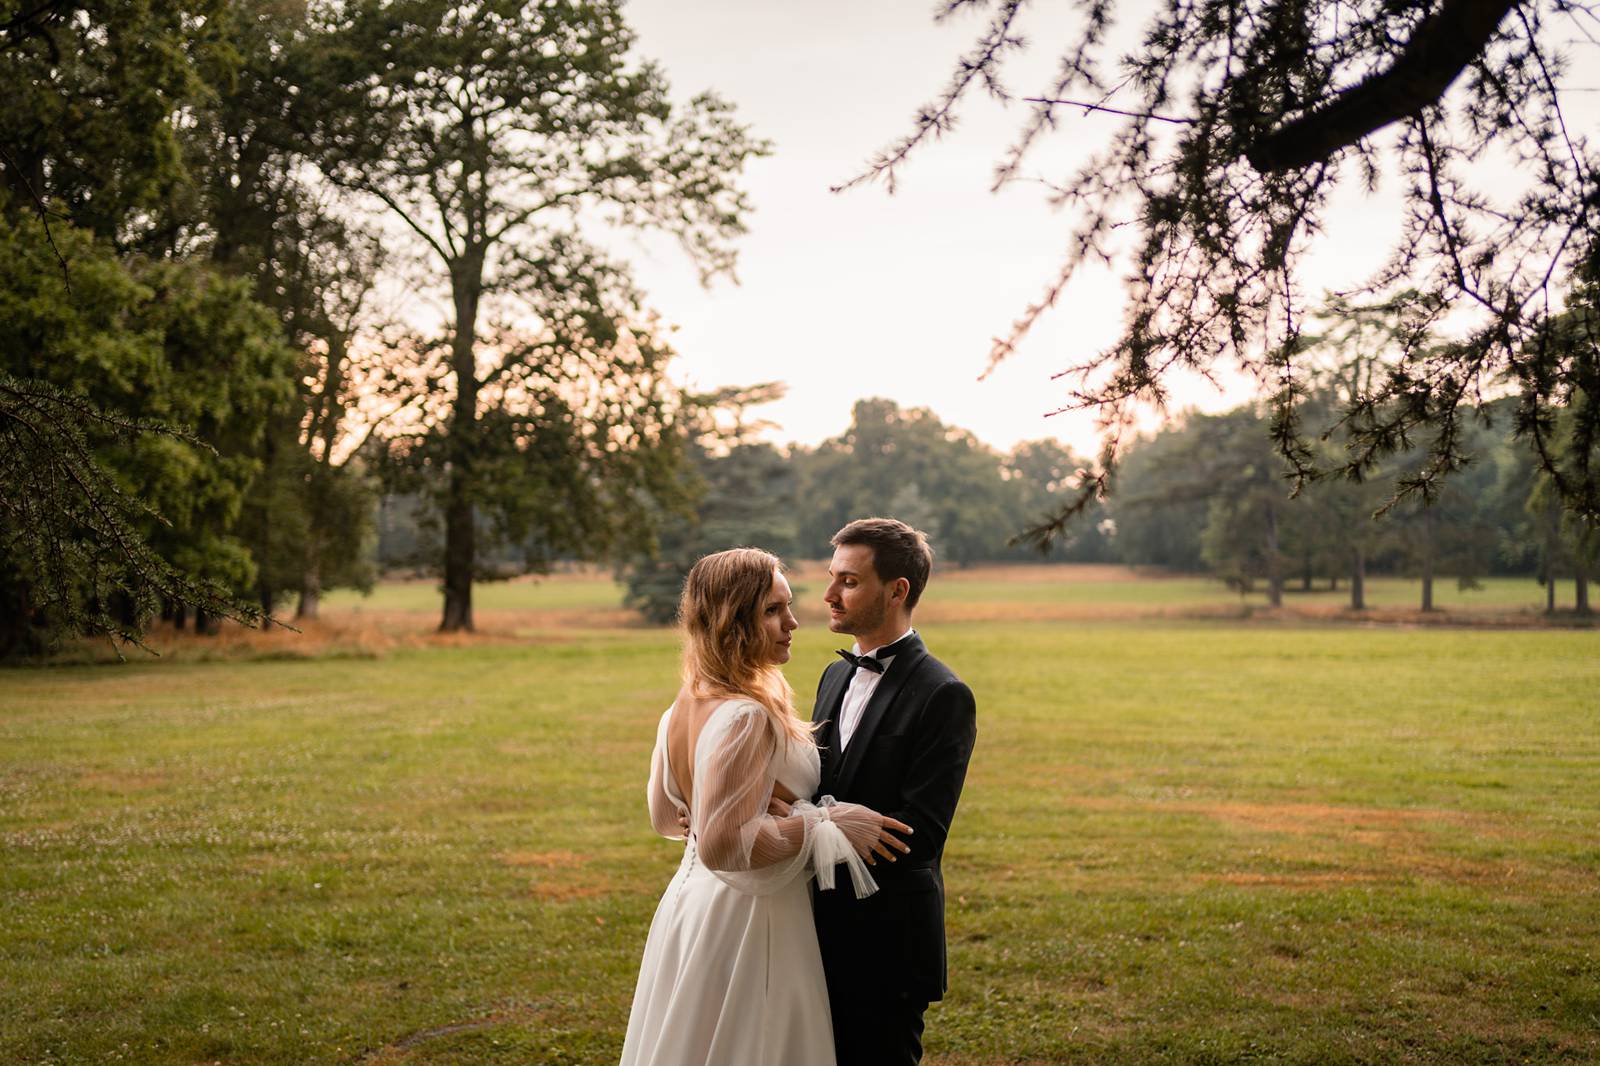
x=731 y=974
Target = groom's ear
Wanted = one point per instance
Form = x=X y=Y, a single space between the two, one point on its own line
x=899 y=589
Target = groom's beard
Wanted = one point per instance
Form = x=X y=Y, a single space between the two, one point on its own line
x=867 y=618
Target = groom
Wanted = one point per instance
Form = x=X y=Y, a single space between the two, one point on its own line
x=896 y=731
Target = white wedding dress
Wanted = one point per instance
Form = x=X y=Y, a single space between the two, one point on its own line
x=731 y=974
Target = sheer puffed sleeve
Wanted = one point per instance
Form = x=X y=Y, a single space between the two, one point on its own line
x=665 y=806
x=738 y=839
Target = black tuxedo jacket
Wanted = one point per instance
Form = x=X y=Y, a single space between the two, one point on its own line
x=907 y=759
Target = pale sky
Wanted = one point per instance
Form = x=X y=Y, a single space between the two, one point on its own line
x=862 y=293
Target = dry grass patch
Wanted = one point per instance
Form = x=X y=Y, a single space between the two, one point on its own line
x=562 y=879
x=124 y=782
x=545 y=860
x=561 y=892
x=1370 y=824
x=1068 y=574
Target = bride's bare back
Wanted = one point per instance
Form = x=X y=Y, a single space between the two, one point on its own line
x=690 y=712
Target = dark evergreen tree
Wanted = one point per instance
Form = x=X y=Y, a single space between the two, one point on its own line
x=124 y=214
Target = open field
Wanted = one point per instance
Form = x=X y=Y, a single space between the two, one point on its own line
x=1182 y=842
x=983 y=593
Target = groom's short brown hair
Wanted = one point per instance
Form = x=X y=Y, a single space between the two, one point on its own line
x=897 y=551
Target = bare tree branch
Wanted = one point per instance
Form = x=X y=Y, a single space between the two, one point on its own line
x=1439 y=50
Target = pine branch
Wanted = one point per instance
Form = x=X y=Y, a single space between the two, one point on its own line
x=73 y=533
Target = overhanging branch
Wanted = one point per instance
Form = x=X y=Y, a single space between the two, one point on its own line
x=1439 y=50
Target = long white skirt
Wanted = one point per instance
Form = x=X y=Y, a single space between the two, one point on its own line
x=729 y=979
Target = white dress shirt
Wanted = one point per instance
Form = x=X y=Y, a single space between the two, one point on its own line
x=859 y=692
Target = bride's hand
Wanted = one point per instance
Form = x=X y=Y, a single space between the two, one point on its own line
x=887 y=843
x=873 y=835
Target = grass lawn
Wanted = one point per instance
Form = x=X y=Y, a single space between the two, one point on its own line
x=1180 y=843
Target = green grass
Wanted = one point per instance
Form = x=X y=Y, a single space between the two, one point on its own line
x=1179 y=844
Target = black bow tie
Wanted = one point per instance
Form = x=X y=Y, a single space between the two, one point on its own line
x=864 y=662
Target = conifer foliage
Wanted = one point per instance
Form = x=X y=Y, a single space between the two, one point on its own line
x=1224 y=129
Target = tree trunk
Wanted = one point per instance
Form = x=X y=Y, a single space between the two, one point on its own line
x=310 y=597
x=17 y=633
x=1427 y=558
x=1274 y=574
x=310 y=578
x=459 y=548
x=1552 y=548
x=1580 y=580
x=460 y=541
x=1358 y=581
x=1305 y=574
x=126 y=613
x=206 y=624
x=180 y=616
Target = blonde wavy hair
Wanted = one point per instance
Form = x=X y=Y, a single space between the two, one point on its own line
x=720 y=612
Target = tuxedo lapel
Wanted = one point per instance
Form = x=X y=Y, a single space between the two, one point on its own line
x=830 y=695
x=905 y=663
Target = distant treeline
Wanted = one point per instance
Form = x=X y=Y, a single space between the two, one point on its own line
x=1207 y=493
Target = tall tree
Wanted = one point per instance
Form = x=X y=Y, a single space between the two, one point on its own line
x=109 y=507
x=1455 y=532
x=108 y=511
x=1232 y=125
x=502 y=134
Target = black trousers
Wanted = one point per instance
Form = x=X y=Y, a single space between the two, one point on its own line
x=883 y=1032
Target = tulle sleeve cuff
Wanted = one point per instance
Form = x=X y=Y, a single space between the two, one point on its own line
x=830 y=847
